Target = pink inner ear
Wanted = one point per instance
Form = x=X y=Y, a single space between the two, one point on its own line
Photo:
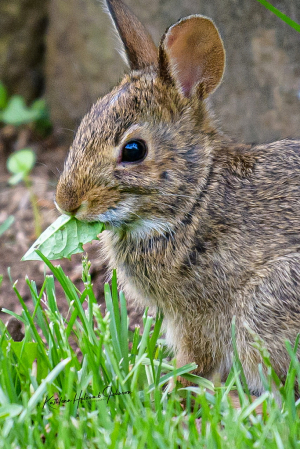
x=187 y=87
x=185 y=57
x=195 y=54
x=190 y=77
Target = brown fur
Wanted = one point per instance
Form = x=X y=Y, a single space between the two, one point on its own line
x=125 y=20
x=203 y=228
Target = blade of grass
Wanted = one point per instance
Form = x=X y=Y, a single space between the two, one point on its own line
x=50 y=291
x=38 y=311
x=33 y=328
x=237 y=360
x=71 y=292
x=37 y=396
x=113 y=319
x=115 y=301
x=124 y=333
x=18 y=317
x=281 y=16
x=251 y=408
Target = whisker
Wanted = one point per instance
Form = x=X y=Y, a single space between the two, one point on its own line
x=45 y=165
x=66 y=129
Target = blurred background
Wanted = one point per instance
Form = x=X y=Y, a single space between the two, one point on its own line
x=64 y=52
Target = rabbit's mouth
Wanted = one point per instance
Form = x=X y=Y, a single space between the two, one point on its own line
x=118 y=216
x=122 y=218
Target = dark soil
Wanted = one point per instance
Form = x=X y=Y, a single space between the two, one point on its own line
x=15 y=200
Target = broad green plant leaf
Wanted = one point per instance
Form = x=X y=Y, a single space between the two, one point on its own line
x=40 y=107
x=64 y=238
x=42 y=124
x=20 y=164
x=26 y=353
x=17 y=113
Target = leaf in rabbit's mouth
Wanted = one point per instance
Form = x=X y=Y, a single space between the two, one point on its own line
x=64 y=238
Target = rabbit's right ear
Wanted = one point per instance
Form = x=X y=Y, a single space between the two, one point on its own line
x=191 y=55
x=139 y=47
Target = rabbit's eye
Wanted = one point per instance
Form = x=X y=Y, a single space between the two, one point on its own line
x=134 y=151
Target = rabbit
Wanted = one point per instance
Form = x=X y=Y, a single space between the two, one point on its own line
x=197 y=225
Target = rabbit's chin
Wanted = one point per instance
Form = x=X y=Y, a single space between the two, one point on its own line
x=142 y=228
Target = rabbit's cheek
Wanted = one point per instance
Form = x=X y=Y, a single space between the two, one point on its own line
x=111 y=210
x=100 y=201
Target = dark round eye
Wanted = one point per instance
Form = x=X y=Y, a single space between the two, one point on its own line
x=134 y=151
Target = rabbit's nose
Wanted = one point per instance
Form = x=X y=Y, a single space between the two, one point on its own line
x=67 y=200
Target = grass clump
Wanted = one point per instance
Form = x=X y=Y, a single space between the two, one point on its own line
x=87 y=381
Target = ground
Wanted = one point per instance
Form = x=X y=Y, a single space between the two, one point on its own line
x=15 y=200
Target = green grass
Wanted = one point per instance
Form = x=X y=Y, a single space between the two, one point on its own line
x=85 y=353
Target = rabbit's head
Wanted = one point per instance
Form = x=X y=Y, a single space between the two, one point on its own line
x=144 y=149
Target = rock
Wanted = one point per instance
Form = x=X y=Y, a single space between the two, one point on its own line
x=259 y=99
x=14 y=327
x=22 y=32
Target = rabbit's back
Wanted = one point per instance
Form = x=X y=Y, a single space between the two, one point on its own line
x=264 y=205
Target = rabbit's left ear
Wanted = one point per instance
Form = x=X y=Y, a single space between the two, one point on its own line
x=192 y=55
x=139 y=48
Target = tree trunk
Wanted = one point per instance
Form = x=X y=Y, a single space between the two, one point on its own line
x=22 y=38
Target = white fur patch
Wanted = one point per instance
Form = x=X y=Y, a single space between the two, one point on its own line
x=145 y=227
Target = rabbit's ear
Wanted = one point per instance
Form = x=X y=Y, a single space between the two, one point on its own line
x=139 y=47
x=192 y=55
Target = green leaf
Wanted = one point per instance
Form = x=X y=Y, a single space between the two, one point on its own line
x=20 y=163
x=64 y=238
x=40 y=107
x=17 y=113
x=15 y=179
x=3 y=96
x=27 y=353
x=43 y=124
x=6 y=224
